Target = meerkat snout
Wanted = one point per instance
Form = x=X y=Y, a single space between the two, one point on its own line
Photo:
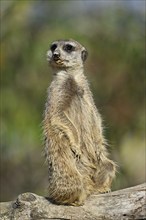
x=56 y=56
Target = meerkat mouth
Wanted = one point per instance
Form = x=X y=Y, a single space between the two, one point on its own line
x=59 y=62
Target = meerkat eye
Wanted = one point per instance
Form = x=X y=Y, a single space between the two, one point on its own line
x=53 y=47
x=69 y=48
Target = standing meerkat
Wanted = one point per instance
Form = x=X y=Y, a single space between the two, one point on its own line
x=75 y=148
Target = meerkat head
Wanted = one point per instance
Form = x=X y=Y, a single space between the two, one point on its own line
x=66 y=54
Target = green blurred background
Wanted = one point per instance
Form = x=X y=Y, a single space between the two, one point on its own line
x=114 y=34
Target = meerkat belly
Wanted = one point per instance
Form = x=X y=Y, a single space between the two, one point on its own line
x=83 y=117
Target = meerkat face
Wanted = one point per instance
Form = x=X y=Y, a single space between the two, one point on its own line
x=66 y=54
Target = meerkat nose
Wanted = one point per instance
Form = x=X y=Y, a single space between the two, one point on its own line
x=56 y=55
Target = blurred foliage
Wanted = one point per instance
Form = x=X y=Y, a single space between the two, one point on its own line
x=115 y=39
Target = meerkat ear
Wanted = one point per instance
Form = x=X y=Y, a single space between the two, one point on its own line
x=84 y=55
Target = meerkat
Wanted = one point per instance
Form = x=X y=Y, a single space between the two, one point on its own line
x=75 y=148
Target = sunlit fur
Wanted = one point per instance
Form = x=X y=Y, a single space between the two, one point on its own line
x=74 y=144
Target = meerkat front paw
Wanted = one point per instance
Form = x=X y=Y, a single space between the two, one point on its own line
x=76 y=152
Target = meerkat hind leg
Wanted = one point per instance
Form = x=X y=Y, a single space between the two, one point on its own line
x=105 y=175
x=80 y=201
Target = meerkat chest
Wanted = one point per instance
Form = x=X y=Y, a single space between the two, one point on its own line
x=74 y=95
x=81 y=108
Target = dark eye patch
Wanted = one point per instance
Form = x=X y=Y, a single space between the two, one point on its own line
x=69 y=48
x=53 y=47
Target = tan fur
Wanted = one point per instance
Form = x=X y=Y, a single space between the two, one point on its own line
x=74 y=144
